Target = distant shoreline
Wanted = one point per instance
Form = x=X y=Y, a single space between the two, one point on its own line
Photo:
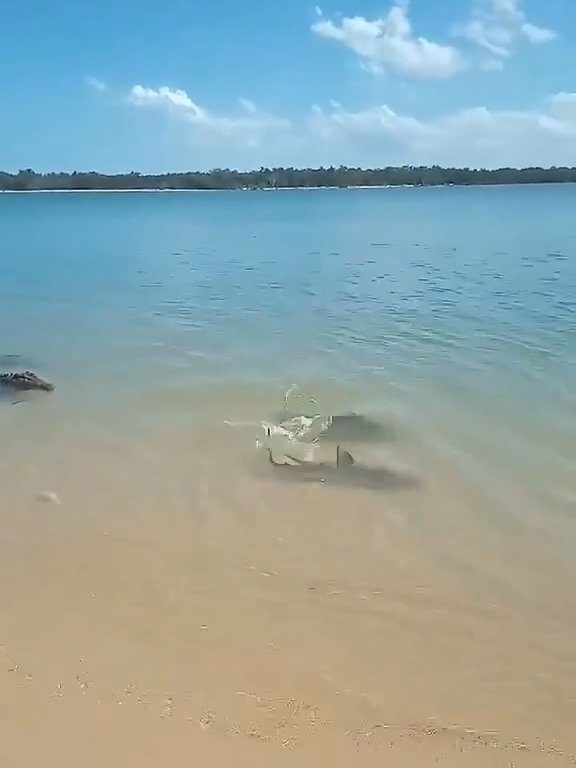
x=269 y=179
x=136 y=190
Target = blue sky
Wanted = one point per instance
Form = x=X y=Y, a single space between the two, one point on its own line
x=117 y=85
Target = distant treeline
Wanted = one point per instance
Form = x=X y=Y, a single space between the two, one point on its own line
x=267 y=178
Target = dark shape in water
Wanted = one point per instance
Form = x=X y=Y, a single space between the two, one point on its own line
x=346 y=428
x=355 y=428
x=344 y=459
x=25 y=381
x=346 y=472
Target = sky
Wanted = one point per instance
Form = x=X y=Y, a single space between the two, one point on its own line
x=175 y=85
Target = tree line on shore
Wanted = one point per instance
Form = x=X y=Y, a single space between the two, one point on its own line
x=274 y=178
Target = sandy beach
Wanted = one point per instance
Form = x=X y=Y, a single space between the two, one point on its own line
x=160 y=609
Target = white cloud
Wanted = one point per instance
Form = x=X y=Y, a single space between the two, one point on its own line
x=248 y=127
x=376 y=136
x=163 y=97
x=563 y=106
x=497 y=26
x=538 y=35
x=389 y=43
x=477 y=137
x=98 y=85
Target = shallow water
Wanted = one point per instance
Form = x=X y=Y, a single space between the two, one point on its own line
x=447 y=316
x=451 y=312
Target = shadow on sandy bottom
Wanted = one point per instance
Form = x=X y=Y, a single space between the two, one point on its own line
x=358 y=476
x=355 y=428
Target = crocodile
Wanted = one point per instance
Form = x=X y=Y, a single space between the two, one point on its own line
x=25 y=381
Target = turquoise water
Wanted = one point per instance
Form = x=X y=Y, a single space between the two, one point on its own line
x=450 y=312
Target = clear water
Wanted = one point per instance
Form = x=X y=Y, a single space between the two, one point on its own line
x=451 y=311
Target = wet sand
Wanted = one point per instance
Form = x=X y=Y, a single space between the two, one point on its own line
x=180 y=604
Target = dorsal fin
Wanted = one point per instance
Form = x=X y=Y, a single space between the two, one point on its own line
x=344 y=459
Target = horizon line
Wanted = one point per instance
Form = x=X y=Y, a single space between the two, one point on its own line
x=295 y=169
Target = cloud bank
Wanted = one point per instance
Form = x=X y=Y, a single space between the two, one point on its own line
x=248 y=125
x=379 y=135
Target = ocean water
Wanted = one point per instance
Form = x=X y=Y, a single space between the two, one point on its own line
x=143 y=533
x=450 y=311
